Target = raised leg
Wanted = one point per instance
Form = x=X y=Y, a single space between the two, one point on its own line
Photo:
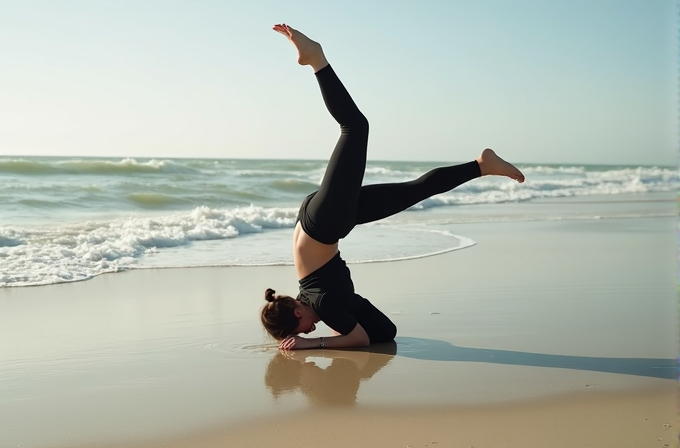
x=382 y=200
x=332 y=210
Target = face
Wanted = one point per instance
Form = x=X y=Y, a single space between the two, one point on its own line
x=306 y=319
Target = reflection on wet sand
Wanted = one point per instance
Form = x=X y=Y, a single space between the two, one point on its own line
x=335 y=385
x=338 y=384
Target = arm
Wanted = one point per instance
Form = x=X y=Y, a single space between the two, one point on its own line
x=355 y=338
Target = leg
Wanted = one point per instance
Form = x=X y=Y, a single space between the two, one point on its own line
x=383 y=200
x=334 y=208
x=378 y=326
x=332 y=211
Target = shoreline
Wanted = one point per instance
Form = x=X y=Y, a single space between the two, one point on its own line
x=445 y=221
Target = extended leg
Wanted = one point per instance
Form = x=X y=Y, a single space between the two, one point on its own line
x=334 y=207
x=383 y=200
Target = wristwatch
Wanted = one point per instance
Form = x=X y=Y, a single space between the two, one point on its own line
x=321 y=344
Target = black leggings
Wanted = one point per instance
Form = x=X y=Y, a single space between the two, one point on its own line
x=341 y=202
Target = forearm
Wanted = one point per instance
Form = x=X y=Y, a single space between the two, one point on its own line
x=340 y=341
x=355 y=338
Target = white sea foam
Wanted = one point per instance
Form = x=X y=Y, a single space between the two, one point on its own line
x=78 y=251
x=614 y=182
x=9 y=238
x=90 y=166
x=554 y=170
x=66 y=219
x=461 y=243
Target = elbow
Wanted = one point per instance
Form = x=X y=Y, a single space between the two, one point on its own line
x=359 y=340
x=358 y=337
x=362 y=340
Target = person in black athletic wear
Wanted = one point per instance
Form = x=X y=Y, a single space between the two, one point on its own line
x=329 y=214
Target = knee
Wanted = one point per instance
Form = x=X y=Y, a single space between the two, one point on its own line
x=386 y=334
x=391 y=332
x=357 y=125
x=362 y=122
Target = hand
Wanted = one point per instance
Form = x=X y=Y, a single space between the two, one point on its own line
x=296 y=343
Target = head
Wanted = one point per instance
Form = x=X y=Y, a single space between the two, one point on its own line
x=285 y=316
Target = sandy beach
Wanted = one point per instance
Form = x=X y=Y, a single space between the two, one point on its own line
x=544 y=333
x=505 y=174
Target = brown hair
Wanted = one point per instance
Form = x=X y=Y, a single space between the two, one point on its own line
x=278 y=315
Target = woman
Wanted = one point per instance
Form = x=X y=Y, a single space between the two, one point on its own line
x=329 y=214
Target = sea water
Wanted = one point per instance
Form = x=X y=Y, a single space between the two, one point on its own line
x=68 y=219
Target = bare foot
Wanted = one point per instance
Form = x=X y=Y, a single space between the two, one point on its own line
x=491 y=164
x=309 y=52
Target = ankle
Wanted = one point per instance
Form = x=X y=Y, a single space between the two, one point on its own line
x=319 y=63
x=483 y=169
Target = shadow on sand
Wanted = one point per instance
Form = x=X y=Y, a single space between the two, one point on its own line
x=436 y=350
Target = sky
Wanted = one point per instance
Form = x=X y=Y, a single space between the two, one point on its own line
x=540 y=81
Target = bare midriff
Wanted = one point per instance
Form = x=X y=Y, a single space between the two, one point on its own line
x=309 y=254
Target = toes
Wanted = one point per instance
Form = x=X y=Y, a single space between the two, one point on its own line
x=283 y=29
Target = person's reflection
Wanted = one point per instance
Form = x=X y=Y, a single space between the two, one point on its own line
x=336 y=385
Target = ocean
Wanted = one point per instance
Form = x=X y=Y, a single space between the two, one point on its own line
x=71 y=218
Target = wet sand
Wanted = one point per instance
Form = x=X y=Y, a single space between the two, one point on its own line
x=545 y=333
x=587 y=420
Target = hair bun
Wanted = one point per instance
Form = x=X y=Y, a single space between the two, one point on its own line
x=269 y=295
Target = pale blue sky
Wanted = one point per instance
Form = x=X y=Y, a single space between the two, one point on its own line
x=541 y=81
